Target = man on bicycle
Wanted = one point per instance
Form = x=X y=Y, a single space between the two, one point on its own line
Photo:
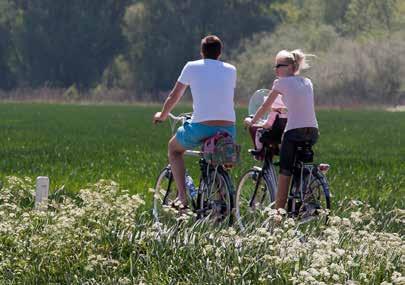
x=212 y=83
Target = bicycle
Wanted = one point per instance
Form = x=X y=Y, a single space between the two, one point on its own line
x=309 y=194
x=212 y=200
x=257 y=188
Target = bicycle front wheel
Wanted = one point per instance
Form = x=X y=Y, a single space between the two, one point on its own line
x=216 y=200
x=255 y=192
x=165 y=193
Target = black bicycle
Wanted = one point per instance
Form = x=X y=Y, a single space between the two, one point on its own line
x=212 y=199
x=309 y=195
x=257 y=188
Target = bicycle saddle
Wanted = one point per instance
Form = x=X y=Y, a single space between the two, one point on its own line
x=304 y=152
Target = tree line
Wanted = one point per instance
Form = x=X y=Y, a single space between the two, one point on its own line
x=140 y=46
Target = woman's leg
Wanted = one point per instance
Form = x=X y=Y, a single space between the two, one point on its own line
x=287 y=155
x=282 y=192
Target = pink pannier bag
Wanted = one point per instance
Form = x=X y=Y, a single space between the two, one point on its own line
x=221 y=149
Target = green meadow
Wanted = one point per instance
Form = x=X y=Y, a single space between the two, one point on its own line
x=96 y=231
x=78 y=144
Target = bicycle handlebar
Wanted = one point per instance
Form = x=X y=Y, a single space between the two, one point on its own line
x=174 y=117
x=180 y=118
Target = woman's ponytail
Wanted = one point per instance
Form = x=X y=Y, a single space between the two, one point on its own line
x=300 y=60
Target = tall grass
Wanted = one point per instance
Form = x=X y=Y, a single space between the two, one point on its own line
x=75 y=145
x=101 y=235
x=96 y=232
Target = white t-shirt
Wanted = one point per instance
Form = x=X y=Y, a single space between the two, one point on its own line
x=298 y=96
x=212 y=84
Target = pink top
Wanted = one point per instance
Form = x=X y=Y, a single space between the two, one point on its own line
x=298 y=95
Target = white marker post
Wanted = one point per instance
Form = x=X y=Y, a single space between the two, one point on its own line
x=41 y=193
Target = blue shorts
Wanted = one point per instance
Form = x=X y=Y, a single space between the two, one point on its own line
x=192 y=135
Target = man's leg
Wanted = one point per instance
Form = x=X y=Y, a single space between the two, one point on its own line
x=282 y=193
x=176 y=151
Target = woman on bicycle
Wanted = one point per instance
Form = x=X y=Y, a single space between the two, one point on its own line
x=302 y=126
x=278 y=113
x=212 y=83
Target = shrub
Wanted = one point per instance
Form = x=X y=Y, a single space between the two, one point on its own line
x=344 y=72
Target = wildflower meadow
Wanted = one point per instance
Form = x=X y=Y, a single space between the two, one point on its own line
x=97 y=227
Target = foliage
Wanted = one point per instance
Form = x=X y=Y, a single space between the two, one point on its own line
x=66 y=43
x=7 y=12
x=349 y=17
x=343 y=72
x=255 y=63
x=101 y=236
x=370 y=71
x=96 y=232
x=138 y=47
x=369 y=16
x=79 y=144
x=71 y=94
x=118 y=74
x=163 y=35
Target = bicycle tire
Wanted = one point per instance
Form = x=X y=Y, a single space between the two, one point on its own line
x=322 y=183
x=165 y=192
x=316 y=192
x=247 y=210
x=216 y=201
x=272 y=177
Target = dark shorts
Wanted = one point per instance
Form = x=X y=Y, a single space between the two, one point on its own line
x=289 y=143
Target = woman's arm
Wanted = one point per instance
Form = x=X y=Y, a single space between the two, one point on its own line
x=265 y=107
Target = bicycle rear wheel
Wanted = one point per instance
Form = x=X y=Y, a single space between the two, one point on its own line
x=165 y=193
x=318 y=193
x=216 y=199
x=255 y=192
x=316 y=203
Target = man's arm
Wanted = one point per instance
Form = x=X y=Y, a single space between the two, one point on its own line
x=171 y=101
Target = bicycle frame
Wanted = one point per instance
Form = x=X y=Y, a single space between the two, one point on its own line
x=307 y=167
x=304 y=174
x=262 y=172
x=205 y=168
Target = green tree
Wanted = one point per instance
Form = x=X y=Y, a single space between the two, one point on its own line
x=7 y=12
x=62 y=43
x=369 y=17
x=164 y=34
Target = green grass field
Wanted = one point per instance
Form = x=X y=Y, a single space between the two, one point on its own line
x=95 y=232
x=77 y=145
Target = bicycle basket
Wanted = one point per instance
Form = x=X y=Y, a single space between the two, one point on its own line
x=220 y=149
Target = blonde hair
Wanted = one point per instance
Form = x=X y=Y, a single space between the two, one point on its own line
x=296 y=57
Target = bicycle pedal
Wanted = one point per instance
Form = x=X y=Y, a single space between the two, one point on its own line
x=254 y=152
x=202 y=210
x=305 y=220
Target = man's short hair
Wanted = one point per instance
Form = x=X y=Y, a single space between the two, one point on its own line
x=211 y=47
